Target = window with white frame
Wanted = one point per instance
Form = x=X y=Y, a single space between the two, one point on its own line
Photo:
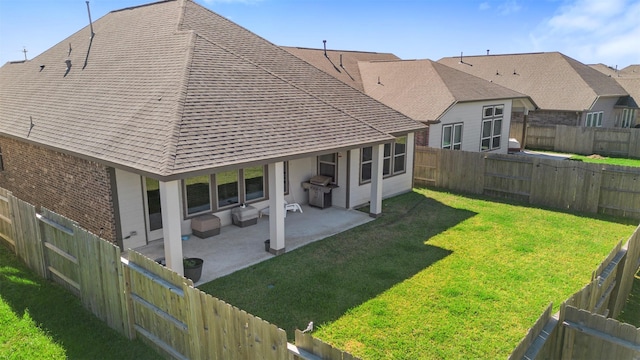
x=491 y=136
x=452 y=136
x=627 y=117
x=594 y=119
x=394 y=159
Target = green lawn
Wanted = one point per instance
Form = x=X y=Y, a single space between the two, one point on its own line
x=438 y=276
x=40 y=320
x=608 y=160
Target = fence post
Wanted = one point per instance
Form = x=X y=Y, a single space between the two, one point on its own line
x=29 y=246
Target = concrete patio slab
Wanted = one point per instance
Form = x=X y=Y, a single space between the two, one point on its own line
x=236 y=248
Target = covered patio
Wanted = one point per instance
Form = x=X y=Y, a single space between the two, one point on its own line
x=236 y=248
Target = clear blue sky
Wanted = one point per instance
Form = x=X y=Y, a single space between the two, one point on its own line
x=591 y=31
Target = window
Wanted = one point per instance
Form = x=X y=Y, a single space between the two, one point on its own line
x=254 y=182
x=366 y=161
x=328 y=166
x=491 y=136
x=1 y=163
x=228 y=188
x=285 y=168
x=154 y=211
x=452 y=136
x=399 y=155
x=240 y=186
x=594 y=119
x=198 y=195
x=627 y=118
x=394 y=159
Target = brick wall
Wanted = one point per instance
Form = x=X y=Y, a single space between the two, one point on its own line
x=422 y=138
x=73 y=187
x=548 y=117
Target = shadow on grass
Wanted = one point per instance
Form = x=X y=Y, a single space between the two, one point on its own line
x=62 y=316
x=521 y=203
x=631 y=312
x=321 y=281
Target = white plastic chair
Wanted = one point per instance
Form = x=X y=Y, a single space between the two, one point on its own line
x=291 y=207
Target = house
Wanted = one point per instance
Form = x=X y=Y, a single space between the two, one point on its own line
x=159 y=113
x=566 y=91
x=629 y=79
x=462 y=111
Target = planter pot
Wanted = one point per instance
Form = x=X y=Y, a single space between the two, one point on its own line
x=193 y=268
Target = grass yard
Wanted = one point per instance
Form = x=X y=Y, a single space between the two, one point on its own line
x=40 y=320
x=438 y=276
x=607 y=160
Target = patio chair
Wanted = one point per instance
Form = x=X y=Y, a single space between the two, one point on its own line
x=291 y=207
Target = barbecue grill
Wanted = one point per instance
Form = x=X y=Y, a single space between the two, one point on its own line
x=319 y=188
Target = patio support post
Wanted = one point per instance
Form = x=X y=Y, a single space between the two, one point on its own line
x=170 y=205
x=276 y=208
x=375 y=206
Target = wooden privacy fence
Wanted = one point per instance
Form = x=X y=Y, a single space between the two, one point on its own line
x=580 y=140
x=563 y=184
x=584 y=328
x=141 y=298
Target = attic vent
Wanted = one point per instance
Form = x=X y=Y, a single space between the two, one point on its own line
x=324 y=42
x=41 y=67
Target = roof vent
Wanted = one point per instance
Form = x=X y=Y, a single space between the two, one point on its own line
x=68 y=62
x=90 y=22
x=41 y=67
x=487 y=51
x=325 y=47
x=462 y=62
x=24 y=50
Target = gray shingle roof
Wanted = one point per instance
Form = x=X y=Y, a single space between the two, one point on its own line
x=171 y=88
x=346 y=70
x=553 y=80
x=424 y=90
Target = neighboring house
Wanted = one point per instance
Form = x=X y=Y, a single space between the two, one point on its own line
x=629 y=79
x=462 y=111
x=566 y=91
x=170 y=111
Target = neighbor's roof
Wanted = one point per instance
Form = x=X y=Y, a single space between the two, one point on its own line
x=631 y=71
x=553 y=80
x=170 y=89
x=341 y=64
x=424 y=90
x=632 y=86
x=607 y=70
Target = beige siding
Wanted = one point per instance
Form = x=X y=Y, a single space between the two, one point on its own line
x=361 y=194
x=470 y=114
x=606 y=106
